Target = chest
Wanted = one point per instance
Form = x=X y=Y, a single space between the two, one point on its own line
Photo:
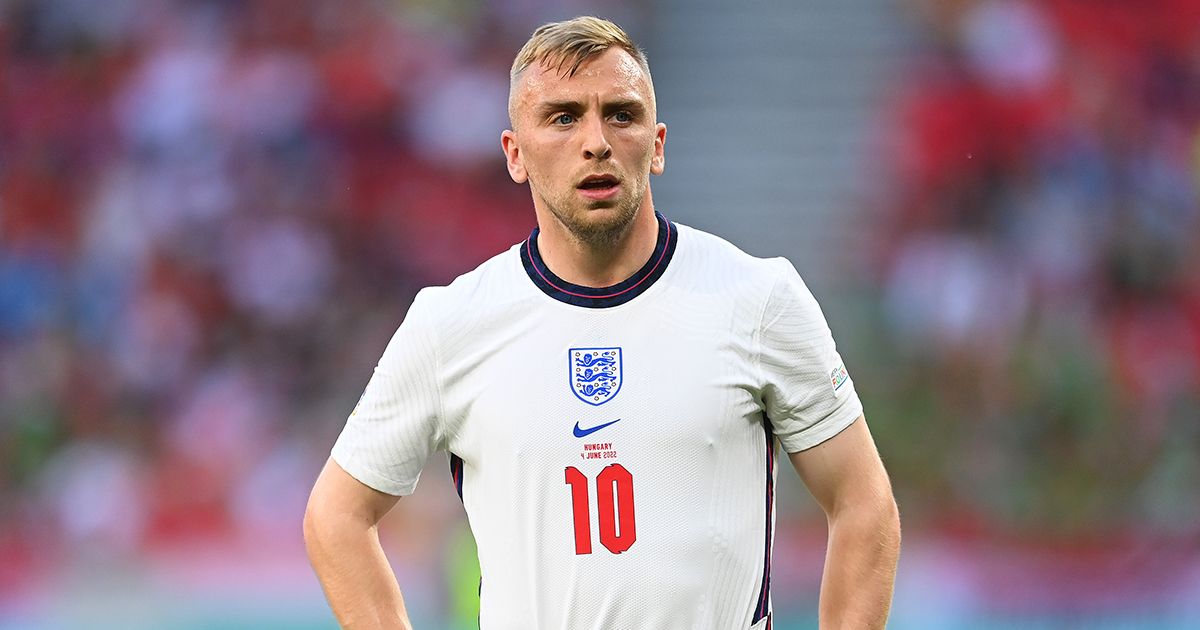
x=565 y=386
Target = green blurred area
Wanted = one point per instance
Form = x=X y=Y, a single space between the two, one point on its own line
x=214 y=214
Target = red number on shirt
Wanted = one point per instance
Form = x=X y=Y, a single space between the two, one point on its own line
x=614 y=497
x=616 y=539
x=579 y=505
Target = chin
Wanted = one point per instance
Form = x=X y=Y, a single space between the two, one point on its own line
x=601 y=223
x=602 y=211
x=610 y=214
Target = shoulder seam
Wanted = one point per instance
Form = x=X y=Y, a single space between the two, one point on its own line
x=759 y=327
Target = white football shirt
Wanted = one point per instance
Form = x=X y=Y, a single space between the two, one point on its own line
x=613 y=447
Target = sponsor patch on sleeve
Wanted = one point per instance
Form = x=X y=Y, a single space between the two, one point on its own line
x=838 y=376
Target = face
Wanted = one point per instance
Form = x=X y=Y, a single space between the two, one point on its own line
x=586 y=144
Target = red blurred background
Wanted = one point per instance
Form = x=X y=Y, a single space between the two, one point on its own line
x=214 y=214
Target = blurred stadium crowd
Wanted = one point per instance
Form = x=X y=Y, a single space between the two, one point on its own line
x=214 y=214
x=1039 y=270
x=212 y=217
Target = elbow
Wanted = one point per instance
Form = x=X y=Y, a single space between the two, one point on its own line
x=891 y=519
x=886 y=510
x=874 y=514
x=887 y=520
x=311 y=525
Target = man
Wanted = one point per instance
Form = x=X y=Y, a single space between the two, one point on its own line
x=611 y=391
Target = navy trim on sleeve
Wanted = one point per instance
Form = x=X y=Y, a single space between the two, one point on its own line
x=763 y=608
x=456 y=473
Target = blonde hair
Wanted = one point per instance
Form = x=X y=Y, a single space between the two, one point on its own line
x=565 y=45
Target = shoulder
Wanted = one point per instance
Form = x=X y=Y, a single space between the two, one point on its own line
x=492 y=284
x=715 y=261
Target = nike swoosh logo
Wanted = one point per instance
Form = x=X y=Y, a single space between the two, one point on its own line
x=586 y=432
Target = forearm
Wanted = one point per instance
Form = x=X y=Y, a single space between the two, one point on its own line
x=860 y=567
x=354 y=573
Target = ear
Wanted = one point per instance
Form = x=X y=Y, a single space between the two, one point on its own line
x=512 y=155
x=658 y=163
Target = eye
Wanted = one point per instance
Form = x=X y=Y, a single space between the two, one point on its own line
x=564 y=119
x=623 y=117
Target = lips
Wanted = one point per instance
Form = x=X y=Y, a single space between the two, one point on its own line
x=598 y=182
x=599 y=188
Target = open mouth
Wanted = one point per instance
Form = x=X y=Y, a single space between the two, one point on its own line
x=598 y=182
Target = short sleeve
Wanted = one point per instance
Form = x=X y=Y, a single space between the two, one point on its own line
x=807 y=393
x=396 y=424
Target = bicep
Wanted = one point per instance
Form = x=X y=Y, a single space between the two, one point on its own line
x=336 y=492
x=844 y=470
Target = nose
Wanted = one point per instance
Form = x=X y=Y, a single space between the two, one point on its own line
x=595 y=143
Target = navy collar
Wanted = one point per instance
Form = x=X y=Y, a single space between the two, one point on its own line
x=602 y=297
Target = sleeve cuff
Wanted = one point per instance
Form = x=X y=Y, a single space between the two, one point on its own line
x=371 y=478
x=833 y=424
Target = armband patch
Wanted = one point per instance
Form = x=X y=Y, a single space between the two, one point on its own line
x=838 y=376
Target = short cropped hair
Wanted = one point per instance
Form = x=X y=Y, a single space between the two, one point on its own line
x=565 y=45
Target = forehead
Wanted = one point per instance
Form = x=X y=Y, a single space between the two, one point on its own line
x=612 y=73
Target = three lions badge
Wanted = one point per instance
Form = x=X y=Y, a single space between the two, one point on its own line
x=595 y=373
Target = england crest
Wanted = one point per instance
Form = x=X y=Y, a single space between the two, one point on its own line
x=595 y=373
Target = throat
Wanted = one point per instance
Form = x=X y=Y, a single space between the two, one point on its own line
x=599 y=258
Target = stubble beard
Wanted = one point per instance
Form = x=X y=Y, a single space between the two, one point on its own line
x=596 y=234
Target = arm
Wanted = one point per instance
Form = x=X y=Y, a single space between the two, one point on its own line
x=848 y=480
x=342 y=537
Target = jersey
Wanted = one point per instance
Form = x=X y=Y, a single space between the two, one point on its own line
x=614 y=448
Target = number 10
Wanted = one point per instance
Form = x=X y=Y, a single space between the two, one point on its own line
x=615 y=539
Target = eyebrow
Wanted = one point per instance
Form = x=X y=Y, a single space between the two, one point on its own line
x=549 y=107
x=575 y=107
x=633 y=105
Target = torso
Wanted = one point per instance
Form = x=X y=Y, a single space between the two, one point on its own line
x=683 y=442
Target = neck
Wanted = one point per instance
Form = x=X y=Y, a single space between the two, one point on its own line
x=598 y=265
